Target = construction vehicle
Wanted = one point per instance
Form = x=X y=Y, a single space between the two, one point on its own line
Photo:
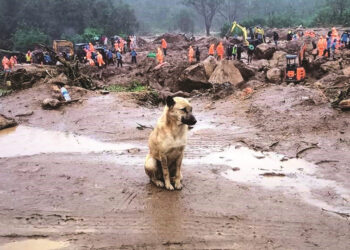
x=294 y=72
x=63 y=47
x=244 y=32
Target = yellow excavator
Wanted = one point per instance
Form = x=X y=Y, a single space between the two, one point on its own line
x=244 y=31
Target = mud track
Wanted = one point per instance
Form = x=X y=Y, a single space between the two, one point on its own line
x=95 y=194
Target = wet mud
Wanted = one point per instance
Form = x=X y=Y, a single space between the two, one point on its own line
x=74 y=178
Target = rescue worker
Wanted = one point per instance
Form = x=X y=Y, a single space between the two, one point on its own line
x=160 y=56
x=198 y=55
x=333 y=48
x=229 y=52
x=239 y=52
x=28 y=57
x=212 y=50
x=289 y=35
x=190 y=54
x=344 y=38
x=91 y=47
x=320 y=46
x=328 y=47
x=91 y=62
x=275 y=38
x=110 y=57
x=133 y=56
x=164 y=46
x=251 y=49
x=6 y=66
x=234 y=52
x=220 y=50
x=12 y=62
x=334 y=34
x=116 y=46
x=100 y=60
x=119 y=59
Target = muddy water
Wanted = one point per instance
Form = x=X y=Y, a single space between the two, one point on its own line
x=40 y=244
x=23 y=141
x=274 y=171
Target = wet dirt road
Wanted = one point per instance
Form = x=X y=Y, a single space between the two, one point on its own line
x=74 y=179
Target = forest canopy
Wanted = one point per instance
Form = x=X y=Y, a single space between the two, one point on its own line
x=25 y=22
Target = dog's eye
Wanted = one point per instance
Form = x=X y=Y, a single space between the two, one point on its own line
x=184 y=110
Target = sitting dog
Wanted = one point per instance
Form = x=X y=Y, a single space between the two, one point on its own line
x=167 y=143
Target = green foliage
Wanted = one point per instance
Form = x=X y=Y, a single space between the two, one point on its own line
x=90 y=34
x=134 y=86
x=225 y=29
x=253 y=22
x=26 y=38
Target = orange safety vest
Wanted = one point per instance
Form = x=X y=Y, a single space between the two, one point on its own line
x=91 y=62
x=190 y=54
x=320 y=46
x=160 y=56
x=164 y=44
x=220 y=50
x=116 y=46
x=212 y=49
x=91 y=47
x=100 y=60
x=5 y=63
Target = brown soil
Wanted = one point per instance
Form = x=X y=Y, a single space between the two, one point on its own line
x=102 y=199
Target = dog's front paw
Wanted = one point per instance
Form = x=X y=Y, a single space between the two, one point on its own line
x=178 y=185
x=169 y=186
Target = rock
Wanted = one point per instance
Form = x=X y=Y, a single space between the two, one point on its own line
x=104 y=92
x=245 y=70
x=162 y=65
x=6 y=122
x=331 y=80
x=209 y=65
x=253 y=84
x=345 y=104
x=330 y=66
x=278 y=60
x=60 y=79
x=274 y=75
x=172 y=38
x=261 y=65
x=293 y=47
x=264 y=51
x=50 y=103
x=226 y=72
x=194 y=77
x=346 y=71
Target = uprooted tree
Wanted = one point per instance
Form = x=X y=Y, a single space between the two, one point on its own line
x=207 y=9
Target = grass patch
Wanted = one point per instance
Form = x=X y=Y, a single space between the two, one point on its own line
x=134 y=86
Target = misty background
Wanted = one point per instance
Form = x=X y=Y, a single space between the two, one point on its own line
x=25 y=22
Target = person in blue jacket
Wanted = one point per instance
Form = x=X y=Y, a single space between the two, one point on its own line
x=133 y=56
x=344 y=38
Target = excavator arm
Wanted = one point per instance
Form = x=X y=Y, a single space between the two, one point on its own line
x=244 y=31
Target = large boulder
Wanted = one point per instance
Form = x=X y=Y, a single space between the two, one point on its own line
x=194 y=77
x=6 y=122
x=274 y=75
x=331 y=66
x=50 y=103
x=261 y=65
x=226 y=72
x=209 y=65
x=246 y=71
x=264 y=51
x=278 y=60
x=346 y=71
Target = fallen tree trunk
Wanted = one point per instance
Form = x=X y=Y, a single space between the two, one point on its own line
x=71 y=70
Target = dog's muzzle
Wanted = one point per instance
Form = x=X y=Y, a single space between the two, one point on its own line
x=189 y=120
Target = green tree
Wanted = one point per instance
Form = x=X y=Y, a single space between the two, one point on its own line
x=26 y=38
x=183 y=21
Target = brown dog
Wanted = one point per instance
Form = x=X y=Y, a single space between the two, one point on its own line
x=167 y=143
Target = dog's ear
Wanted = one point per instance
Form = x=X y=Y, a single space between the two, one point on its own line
x=170 y=102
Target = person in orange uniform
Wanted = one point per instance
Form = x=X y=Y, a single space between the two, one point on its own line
x=211 y=50
x=91 y=62
x=116 y=46
x=100 y=60
x=6 y=64
x=160 y=56
x=190 y=54
x=220 y=50
x=320 y=46
x=164 y=46
x=12 y=62
x=91 y=47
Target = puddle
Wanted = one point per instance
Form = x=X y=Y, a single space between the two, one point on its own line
x=41 y=244
x=24 y=141
x=272 y=171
